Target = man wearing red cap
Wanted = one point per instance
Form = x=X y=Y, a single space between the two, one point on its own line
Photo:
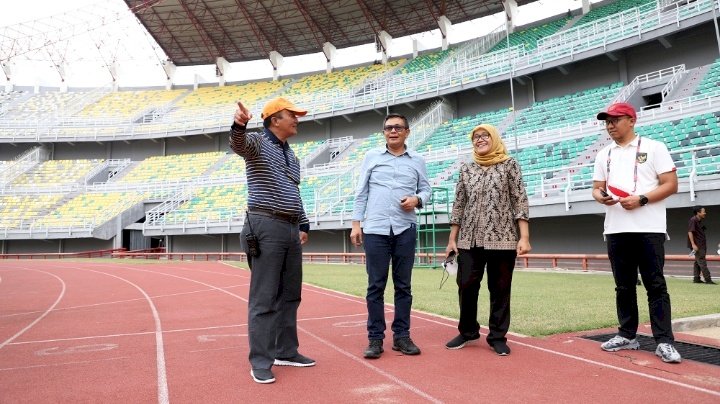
x=275 y=228
x=633 y=177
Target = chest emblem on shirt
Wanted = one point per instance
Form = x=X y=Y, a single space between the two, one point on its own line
x=641 y=157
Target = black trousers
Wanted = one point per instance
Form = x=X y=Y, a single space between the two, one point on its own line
x=275 y=290
x=629 y=252
x=700 y=266
x=471 y=268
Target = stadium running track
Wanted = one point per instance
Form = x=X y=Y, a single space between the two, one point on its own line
x=177 y=332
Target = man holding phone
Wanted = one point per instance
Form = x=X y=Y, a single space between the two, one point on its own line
x=633 y=177
x=393 y=182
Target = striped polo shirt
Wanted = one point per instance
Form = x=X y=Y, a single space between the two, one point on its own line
x=272 y=171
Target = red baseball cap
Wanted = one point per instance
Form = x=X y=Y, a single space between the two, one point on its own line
x=618 y=109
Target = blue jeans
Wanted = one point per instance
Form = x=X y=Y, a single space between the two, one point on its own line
x=628 y=253
x=379 y=250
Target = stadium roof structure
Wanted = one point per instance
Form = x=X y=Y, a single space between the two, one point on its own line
x=195 y=32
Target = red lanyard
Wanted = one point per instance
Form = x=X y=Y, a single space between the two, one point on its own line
x=635 y=175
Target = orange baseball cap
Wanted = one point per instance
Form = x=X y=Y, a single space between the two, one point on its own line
x=278 y=104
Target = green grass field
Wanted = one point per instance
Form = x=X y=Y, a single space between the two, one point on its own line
x=543 y=303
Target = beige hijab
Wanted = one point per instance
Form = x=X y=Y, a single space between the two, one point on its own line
x=498 y=151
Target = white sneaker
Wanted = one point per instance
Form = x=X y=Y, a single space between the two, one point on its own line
x=617 y=343
x=668 y=353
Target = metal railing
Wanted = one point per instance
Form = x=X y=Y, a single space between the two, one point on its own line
x=389 y=88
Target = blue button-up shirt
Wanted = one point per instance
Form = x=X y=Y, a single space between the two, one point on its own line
x=384 y=180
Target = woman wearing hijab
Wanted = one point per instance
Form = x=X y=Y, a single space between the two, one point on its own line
x=488 y=228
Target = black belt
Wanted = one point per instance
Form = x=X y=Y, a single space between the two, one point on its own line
x=276 y=214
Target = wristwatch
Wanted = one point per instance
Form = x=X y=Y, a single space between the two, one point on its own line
x=643 y=200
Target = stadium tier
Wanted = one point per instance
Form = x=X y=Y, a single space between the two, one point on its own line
x=321 y=89
x=21 y=211
x=567 y=110
x=426 y=61
x=213 y=203
x=56 y=172
x=711 y=81
x=455 y=133
x=564 y=70
x=610 y=9
x=90 y=209
x=172 y=168
x=527 y=38
x=129 y=104
x=231 y=166
x=46 y=105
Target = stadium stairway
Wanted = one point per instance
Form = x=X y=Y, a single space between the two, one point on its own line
x=118 y=176
x=689 y=84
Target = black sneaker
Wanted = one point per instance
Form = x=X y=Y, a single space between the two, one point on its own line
x=374 y=349
x=697 y=281
x=459 y=342
x=297 y=361
x=406 y=346
x=710 y=282
x=262 y=376
x=500 y=347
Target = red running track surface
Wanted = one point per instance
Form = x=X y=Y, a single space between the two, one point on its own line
x=177 y=332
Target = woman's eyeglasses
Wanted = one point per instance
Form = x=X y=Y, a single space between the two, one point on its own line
x=481 y=136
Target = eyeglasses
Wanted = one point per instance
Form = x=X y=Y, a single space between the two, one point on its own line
x=481 y=136
x=614 y=121
x=396 y=128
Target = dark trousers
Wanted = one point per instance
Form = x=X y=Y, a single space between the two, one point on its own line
x=629 y=252
x=700 y=265
x=379 y=251
x=471 y=268
x=275 y=285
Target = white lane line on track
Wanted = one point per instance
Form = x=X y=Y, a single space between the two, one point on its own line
x=345 y=296
x=125 y=301
x=166 y=331
x=63 y=364
x=632 y=372
x=356 y=299
x=45 y=313
x=338 y=349
x=162 y=386
x=372 y=367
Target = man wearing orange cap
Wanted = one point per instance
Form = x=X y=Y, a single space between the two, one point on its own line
x=275 y=228
x=633 y=177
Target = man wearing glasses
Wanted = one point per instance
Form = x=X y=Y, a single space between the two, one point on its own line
x=393 y=182
x=633 y=177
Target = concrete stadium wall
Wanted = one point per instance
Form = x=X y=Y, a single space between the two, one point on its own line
x=579 y=234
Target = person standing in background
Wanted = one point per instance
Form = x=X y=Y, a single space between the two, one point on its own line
x=697 y=243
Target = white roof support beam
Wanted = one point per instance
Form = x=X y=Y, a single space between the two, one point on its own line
x=329 y=51
x=276 y=59
x=386 y=41
x=169 y=68
x=444 y=25
x=222 y=68
x=511 y=10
